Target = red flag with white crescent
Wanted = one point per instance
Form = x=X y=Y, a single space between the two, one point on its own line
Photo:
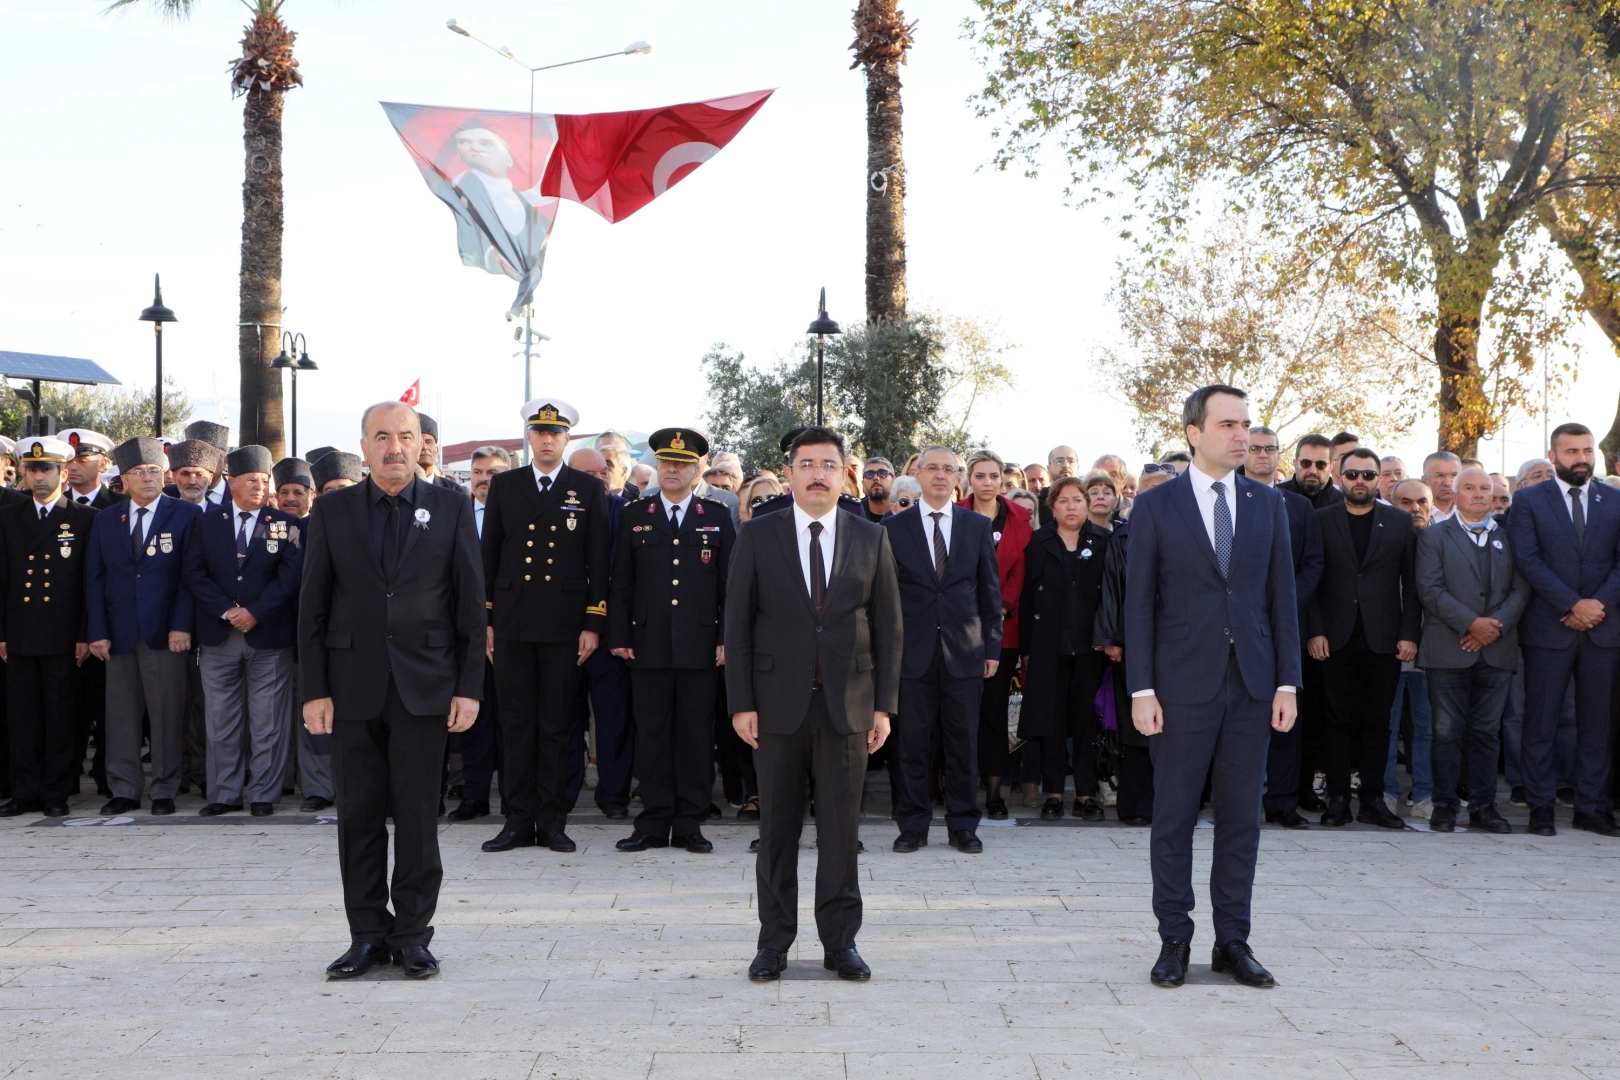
x=413 y=394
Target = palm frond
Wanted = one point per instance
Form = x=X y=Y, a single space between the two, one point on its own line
x=172 y=10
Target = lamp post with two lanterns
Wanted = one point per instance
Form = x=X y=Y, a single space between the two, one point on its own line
x=294 y=357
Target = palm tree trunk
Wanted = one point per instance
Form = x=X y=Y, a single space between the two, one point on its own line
x=259 y=336
x=882 y=37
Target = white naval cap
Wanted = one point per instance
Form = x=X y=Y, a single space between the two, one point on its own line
x=549 y=414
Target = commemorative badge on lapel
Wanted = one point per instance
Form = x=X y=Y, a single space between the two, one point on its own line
x=65 y=538
x=571 y=522
x=707 y=555
x=165 y=543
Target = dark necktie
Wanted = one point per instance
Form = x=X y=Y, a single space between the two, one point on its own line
x=138 y=533
x=44 y=512
x=939 y=545
x=545 y=483
x=390 y=538
x=85 y=498
x=675 y=518
x=1580 y=516
x=1223 y=529
x=242 y=538
x=818 y=575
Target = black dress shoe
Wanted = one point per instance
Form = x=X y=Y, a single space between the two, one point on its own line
x=1566 y=797
x=1234 y=958
x=1137 y=821
x=1311 y=802
x=357 y=961
x=13 y=808
x=995 y=809
x=559 y=842
x=1516 y=795
x=417 y=962
x=314 y=804
x=1088 y=809
x=469 y=810
x=1337 y=812
x=848 y=964
x=1288 y=819
x=1374 y=812
x=1444 y=819
x=696 y=843
x=1541 y=821
x=1174 y=956
x=55 y=810
x=214 y=809
x=768 y=965
x=753 y=845
x=967 y=842
x=261 y=809
x=507 y=839
x=612 y=813
x=162 y=807
x=1601 y=823
x=121 y=805
x=1052 y=810
x=1490 y=819
x=640 y=841
x=907 y=842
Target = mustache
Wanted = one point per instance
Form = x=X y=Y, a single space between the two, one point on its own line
x=817 y=485
x=395 y=459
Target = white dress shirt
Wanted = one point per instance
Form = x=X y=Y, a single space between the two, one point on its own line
x=829 y=533
x=685 y=505
x=143 y=522
x=538 y=476
x=1204 y=493
x=236 y=520
x=1479 y=537
x=42 y=510
x=944 y=525
x=1564 y=488
x=81 y=498
x=1437 y=515
x=218 y=493
x=478 y=517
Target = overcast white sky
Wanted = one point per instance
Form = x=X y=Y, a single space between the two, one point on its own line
x=126 y=158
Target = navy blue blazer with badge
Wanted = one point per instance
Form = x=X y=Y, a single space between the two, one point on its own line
x=266 y=584
x=1559 y=572
x=962 y=610
x=1183 y=620
x=130 y=598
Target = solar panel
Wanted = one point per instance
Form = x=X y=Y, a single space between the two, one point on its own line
x=68 y=369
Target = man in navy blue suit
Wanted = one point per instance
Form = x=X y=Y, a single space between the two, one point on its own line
x=243 y=565
x=1212 y=665
x=1566 y=541
x=950 y=603
x=140 y=622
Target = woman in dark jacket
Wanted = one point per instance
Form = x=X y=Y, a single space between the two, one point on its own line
x=1011 y=528
x=1063 y=574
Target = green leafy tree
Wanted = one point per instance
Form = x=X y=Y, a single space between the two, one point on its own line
x=116 y=413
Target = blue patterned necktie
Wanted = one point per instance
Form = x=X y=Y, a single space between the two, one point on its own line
x=242 y=538
x=1223 y=529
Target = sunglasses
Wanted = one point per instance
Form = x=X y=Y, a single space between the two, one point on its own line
x=877 y=474
x=1154 y=467
x=1307 y=463
x=1359 y=474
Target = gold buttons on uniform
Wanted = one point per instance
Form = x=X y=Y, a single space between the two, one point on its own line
x=552 y=544
x=553 y=528
x=674 y=603
x=548 y=577
x=531 y=528
x=675 y=562
x=531 y=543
x=47 y=599
x=27 y=598
x=676 y=542
x=525 y=577
x=677 y=581
x=528 y=558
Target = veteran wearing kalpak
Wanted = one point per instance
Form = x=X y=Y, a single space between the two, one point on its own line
x=665 y=619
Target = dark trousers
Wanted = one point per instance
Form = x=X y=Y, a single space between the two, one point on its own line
x=1466 y=704
x=1282 y=768
x=42 y=729
x=90 y=696
x=994 y=758
x=735 y=757
x=837 y=762
x=1135 y=798
x=1078 y=679
x=535 y=682
x=1360 y=688
x=194 y=751
x=482 y=745
x=674 y=748
x=389 y=765
x=941 y=703
x=1546 y=673
x=604 y=689
x=1230 y=733
x=1312 y=725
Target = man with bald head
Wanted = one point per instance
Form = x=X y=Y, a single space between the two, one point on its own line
x=1416 y=499
x=1060 y=462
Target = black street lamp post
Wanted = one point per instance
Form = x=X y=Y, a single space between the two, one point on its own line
x=157 y=315
x=823 y=326
x=294 y=357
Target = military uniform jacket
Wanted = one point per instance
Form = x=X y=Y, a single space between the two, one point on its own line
x=266 y=583
x=669 y=586
x=546 y=556
x=42 y=578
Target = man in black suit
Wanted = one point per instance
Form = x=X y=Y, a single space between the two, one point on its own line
x=1313 y=471
x=950 y=598
x=813 y=645
x=390 y=651
x=1363 y=624
x=545 y=548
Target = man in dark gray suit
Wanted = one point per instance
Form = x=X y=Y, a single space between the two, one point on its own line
x=813 y=642
x=1472 y=598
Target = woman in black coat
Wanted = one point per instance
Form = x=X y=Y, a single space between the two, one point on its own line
x=1063 y=573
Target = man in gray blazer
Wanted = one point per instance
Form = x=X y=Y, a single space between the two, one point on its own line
x=1472 y=598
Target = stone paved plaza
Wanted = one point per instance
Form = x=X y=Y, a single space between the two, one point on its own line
x=194 y=948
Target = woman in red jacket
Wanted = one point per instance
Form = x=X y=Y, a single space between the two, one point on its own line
x=1012 y=530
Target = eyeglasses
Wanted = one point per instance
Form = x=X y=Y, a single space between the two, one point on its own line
x=819 y=466
x=1307 y=463
x=877 y=474
x=1154 y=467
x=904 y=501
x=1270 y=448
x=1359 y=474
x=145 y=474
x=936 y=467
x=1063 y=461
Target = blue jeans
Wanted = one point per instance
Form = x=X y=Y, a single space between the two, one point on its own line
x=1513 y=730
x=1412 y=684
x=1467 y=702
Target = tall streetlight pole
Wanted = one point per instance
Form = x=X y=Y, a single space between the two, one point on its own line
x=823 y=326
x=157 y=315
x=294 y=357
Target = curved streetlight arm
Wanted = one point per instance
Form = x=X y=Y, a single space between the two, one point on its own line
x=635 y=48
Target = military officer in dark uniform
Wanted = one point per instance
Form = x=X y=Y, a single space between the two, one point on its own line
x=40 y=642
x=664 y=620
x=545 y=547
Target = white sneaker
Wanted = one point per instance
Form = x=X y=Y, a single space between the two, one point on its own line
x=1107 y=794
x=1423 y=809
x=1393 y=802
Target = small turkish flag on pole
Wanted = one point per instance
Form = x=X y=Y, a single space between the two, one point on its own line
x=413 y=394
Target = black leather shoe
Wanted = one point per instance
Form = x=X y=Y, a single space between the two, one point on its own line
x=1088 y=809
x=1234 y=958
x=1516 y=795
x=696 y=843
x=1337 y=812
x=640 y=841
x=1288 y=819
x=1174 y=956
x=13 y=808
x=1444 y=819
x=1052 y=810
x=1601 y=823
x=848 y=964
x=558 y=842
x=612 y=813
x=1137 y=821
x=967 y=842
x=214 y=809
x=1311 y=802
x=121 y=805
x=1541 y=821
x=507 y=839
x=753 y=846
x=907 y=842
x=162 y=807
x=768 y=965
x=1490 y=819
x=261 y=809
x=469 y=810
x=314 y=804
x=417 y=962
x=995 y=809
x=357 y=961
x=55 y=810
x=1566 y=797
x=1374 y=812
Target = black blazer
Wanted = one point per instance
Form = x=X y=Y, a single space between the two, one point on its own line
x=546 y=562
x=28 y=625
x=669 y=587
x=962 y=610
x=1040 y=619
x=426 y=625
x=1383 y=587
x=1305 y=534
x=774 y=637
